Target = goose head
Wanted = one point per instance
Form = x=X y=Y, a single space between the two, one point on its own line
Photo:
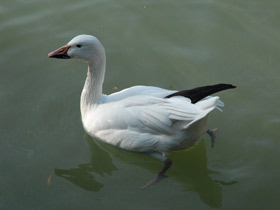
x=82 y=47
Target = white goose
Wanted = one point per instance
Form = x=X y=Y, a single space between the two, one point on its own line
x=142 y=119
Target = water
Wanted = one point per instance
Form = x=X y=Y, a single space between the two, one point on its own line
x=47 y=160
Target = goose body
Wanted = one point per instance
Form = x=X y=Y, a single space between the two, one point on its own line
x=144 y=119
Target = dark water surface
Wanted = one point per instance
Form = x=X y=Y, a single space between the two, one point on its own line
x=48 y=162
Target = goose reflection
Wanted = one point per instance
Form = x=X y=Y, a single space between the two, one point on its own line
x=190 y=169
x=82 y=176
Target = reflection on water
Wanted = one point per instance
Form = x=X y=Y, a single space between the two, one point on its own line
x=83 y=175
x=192 y=171
x=189 y=168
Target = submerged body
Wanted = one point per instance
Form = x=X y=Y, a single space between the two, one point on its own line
x=144 y=119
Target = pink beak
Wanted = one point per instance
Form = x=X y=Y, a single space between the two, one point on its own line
x=60 y=53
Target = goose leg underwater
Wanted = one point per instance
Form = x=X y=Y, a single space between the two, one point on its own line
x=143 y=119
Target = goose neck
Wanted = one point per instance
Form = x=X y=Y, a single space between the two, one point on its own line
x=92 y=91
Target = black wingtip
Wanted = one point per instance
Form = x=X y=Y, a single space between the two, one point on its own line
x=199 y=93
x=230 y=86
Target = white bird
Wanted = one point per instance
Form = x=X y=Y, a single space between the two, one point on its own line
x=143 y=119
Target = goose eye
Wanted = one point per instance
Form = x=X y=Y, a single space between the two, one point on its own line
x=79 y=46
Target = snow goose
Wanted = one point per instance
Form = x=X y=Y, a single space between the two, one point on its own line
x=143 y=119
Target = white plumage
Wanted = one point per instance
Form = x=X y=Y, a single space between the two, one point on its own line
x=146 y=123
x=139 y=118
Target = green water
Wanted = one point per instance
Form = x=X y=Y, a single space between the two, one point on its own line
x=48 y=162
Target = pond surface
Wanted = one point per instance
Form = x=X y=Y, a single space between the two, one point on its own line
x=48 y=162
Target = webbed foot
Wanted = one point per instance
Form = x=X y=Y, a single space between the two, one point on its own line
x=160 y=175
x=211 y=133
